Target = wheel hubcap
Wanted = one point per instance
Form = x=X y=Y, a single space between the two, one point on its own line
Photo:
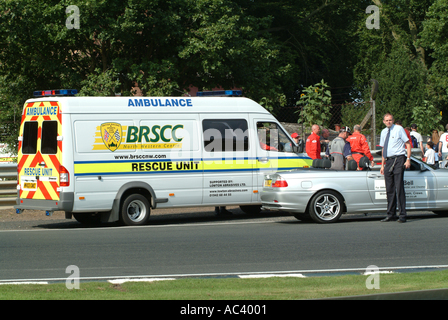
x=136 y=211
x=327 y=207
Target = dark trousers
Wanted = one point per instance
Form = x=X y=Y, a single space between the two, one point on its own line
x=393 y=177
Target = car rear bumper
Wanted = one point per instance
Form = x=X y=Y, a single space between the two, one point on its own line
x=284 y=201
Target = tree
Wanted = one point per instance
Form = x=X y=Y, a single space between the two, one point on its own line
x=402 y=87
x=163 y=47
x=315 y=102
x=427 y=118
x=434 y=36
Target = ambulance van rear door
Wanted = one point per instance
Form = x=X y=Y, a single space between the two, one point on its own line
x=40 y=173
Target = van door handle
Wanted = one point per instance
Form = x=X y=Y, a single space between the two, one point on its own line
x=263 y=159
x=374 y=176
x=42 y=164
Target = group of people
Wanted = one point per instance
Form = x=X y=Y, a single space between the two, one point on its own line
x=433 y=150
x=346 y=146
x=396 y=143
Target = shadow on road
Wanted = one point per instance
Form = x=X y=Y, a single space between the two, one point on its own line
x=207 y=215
x=169 y=218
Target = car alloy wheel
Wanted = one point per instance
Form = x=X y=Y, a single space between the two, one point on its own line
x=326 y=207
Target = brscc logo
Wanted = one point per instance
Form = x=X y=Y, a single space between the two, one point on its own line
x=111 y=134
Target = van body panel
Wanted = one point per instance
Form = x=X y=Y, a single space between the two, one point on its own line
x=177 y=151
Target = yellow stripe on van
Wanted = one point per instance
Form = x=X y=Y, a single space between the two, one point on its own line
x=209 y=165
x=290 y=163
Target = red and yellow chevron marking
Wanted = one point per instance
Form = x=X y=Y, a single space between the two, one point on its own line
x=40 y=181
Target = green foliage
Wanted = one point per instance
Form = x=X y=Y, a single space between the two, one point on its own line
x=402 y=87
x=270 y=104
x=100 y=84
x=161 y=47
x=434 y=36
x=427 y=118
x=315 y=102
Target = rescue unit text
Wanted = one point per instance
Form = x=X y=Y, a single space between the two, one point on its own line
x=165 y=166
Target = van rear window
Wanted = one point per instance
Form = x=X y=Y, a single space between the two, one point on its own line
x=29 y=142
x=49 y=144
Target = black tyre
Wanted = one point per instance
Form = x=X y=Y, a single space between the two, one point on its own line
x=326 y=207
x=251 y=209
x=302 y=216
x=441 y=213
x=88 y=218
x=135 y=210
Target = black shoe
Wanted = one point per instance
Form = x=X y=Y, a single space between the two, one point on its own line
x=389 y=219
x=402 y=220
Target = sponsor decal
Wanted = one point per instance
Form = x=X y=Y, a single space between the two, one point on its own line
x=114 y=136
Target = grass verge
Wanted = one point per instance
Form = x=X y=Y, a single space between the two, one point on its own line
x=276 y=288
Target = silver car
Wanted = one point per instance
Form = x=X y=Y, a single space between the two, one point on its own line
x=324 y=195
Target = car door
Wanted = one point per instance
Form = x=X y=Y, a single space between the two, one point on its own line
x=420 y=187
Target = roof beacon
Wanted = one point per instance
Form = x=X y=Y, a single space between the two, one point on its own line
x=58 y=92
x=220 y=93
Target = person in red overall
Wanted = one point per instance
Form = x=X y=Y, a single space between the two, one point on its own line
x=313 y=143
x=359 y=146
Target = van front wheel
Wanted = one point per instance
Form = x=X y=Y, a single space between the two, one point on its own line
x=135 y=210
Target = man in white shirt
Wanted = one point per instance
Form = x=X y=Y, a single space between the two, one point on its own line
x=443 y=147
x=418 y=136
x=395 y=159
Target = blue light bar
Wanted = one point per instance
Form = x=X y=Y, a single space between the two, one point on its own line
x=53 y=93
x=220 y=93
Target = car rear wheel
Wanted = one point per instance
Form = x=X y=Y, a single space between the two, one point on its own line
x=326 y=207
x=135 y=210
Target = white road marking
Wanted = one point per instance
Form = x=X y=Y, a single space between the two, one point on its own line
x=121 y=281
x=298 y=273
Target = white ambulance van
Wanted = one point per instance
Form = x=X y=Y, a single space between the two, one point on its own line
x=116 y=158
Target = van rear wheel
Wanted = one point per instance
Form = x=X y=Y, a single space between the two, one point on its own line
x=135 y=210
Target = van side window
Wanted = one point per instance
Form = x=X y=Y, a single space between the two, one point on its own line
x=29 y=142
x=49 y=143
x=225 y=135
x=273 y=138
